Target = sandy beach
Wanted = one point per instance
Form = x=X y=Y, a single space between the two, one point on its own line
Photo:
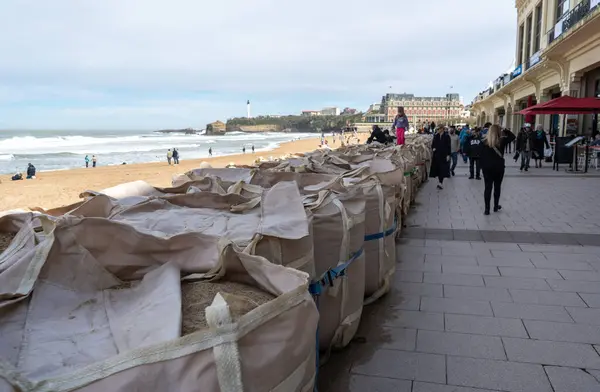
x=59 y=188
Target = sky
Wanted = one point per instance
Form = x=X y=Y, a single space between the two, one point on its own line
x=152 y=64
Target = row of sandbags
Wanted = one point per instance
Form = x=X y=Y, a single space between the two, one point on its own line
x=80 y=293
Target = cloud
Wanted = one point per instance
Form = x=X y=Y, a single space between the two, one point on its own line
x=59 y=56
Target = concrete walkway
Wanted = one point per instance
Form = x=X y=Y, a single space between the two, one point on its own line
x=507 y=302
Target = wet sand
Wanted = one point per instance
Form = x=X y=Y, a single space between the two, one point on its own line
x=59 y=188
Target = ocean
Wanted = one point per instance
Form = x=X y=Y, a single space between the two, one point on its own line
x=60 y=150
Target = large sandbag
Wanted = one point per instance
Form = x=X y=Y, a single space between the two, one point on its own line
x=89 y=331
x=24 y=238
x=339 y=229
x=273 y=222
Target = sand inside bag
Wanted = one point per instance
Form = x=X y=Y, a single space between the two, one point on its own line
x=5 y=240
x=197 y=296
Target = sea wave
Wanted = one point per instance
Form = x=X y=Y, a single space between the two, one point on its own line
x=6 y=157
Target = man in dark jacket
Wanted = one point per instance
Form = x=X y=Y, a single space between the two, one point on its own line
x=525 y=144
x=30 y=171
x=474 y=152
x=377 y=135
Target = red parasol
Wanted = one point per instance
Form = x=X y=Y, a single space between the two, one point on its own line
x=565 y=105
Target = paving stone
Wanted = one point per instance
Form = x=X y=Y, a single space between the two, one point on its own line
x=419 y=266
x=465 y=251
x=585 y=315
x=563 y=265
x=412 y=319
x=404 y=365
x=447 y=244
x=562 y=332
x=456 y=306
x=465 y=345
x=453 y=279
x=546 y=298
x=477 y=293
x=492 y=326
x=470 y=270
x=507 y=254
x=498 y=375
x=400 y=242
x=573 y=286
x=551 y=353
x=592 y=300
x=531 y=312
x=408 y=276
x=574 y=257
x=516 y=283
x=452 y=260
x=580 y=275
x=359 y=383
x=397 y=300
x=565 y=379
x=504 y=262
x=420 y=250
x=391 y=338
x=419 y=386
x=529 y=273
x=423 y=289
x=495 y=246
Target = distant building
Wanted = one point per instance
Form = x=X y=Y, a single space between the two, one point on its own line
x=421 y=109
x=349 y=111
x=310 y=113
x=374 y=108
x=332 y=111
x=466 y=112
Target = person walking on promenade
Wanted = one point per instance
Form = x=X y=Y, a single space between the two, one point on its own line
x=440 y=160
x=540 y=143
x=492 y=164
x=464 y=134
x=400 y=125
x=454 y=147
x=474 y=153
x=525 y=140
x=509 y=145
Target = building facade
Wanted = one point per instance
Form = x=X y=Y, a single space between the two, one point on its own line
x=557 y=53
x=332 y=111
x=421 y=109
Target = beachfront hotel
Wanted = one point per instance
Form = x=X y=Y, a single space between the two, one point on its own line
x=557 y=53
x=418 y=109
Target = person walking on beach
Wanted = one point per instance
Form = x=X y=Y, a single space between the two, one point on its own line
x=169 y=156
x=492 y=164
x=210 y=151
x=94 y=160
x=474 y=152
x=454 y=147
x=30 y=171
x=253 y=149
x=440 y=161
x=244 y=150
x=175 y=156
x=400 y=125
x=87 y=161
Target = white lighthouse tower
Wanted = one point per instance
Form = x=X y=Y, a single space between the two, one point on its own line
x=248 y=108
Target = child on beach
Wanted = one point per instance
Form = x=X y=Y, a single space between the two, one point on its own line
x=87 y=161
x=94 y=160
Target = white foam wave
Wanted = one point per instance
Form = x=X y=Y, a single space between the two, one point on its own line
x=6 y=157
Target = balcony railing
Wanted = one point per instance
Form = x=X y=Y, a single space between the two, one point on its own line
x=569 y=20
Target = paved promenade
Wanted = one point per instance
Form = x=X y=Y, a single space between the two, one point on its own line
x=506 y=302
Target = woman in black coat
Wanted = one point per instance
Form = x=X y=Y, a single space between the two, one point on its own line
x=440 y=161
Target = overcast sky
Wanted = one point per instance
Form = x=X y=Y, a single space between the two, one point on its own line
x=148 y=64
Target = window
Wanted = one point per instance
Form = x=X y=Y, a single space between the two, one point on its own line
x=538 y=28
x=528 y=26
x=562 y=7
x=520 y=47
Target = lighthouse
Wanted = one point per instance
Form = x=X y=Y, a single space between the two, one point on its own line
x=248 y=108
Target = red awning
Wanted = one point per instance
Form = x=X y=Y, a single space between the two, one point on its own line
x=565 y=105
